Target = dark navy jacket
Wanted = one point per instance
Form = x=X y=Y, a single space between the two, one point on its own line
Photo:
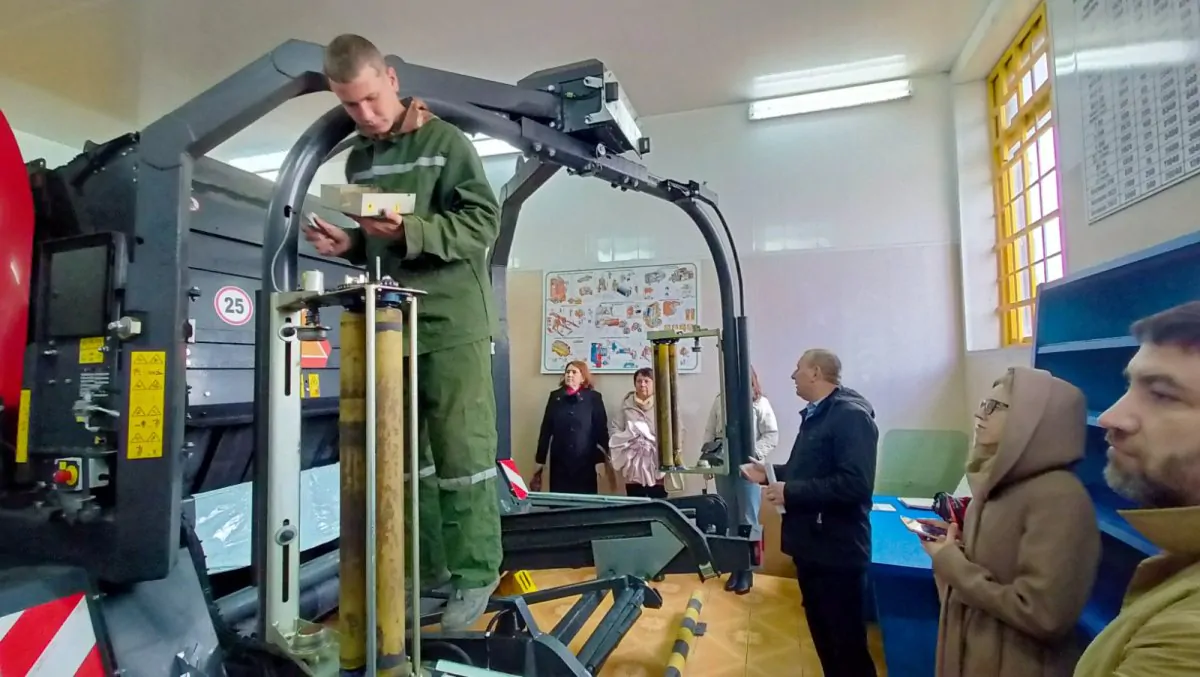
x=828 y=484
x=574 y=437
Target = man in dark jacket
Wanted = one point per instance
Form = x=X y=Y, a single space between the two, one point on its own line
x=441 y=248
x=825 y=491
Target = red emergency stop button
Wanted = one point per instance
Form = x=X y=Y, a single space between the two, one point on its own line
x=67 y=473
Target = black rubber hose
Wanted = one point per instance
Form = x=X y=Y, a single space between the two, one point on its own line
x=238 y=606
x=737 y=260
x=456 y=650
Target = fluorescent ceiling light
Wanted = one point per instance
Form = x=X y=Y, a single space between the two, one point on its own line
x=829 y=77
x=831 y=99
x=489 y=147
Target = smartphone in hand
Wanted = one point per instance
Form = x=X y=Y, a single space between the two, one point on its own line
x=926 y=531
x=313 y=224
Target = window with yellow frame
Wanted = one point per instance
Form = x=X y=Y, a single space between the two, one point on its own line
x=1029 y=247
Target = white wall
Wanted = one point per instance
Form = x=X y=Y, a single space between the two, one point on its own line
x=984 y=359
x=1156 y=219
x=34 y=147
x=845 y=224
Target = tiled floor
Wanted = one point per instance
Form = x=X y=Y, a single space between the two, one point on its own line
x=762 y=634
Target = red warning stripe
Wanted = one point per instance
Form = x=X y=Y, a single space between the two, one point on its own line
x=92 y=665
x=516 y=483
x=29 y=636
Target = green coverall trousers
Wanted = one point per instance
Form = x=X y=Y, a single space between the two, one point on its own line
x=459 y=527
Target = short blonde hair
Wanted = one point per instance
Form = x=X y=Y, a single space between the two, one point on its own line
x=348 y=54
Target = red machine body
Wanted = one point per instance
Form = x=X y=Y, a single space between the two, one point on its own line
x=16 y=259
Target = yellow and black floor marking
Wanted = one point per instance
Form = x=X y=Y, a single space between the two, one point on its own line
x=685 y=639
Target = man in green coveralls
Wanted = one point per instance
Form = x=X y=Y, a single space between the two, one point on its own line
x=440 y=248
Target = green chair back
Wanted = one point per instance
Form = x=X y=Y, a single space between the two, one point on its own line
x=920 y=463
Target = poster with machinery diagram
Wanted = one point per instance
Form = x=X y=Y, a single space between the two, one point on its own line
x=601 y=316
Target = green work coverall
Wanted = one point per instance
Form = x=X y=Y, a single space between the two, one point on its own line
x=444 y=253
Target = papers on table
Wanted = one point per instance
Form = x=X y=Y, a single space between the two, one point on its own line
x=883 y=507
x=917 y=503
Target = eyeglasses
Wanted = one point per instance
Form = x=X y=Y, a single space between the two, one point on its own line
x=989 y=406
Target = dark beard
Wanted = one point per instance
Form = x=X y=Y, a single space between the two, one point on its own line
x=1142 y=490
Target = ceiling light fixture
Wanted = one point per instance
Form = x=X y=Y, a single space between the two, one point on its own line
x=829 y=77
x=831 y=99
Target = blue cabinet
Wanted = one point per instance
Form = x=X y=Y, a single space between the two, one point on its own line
x=1082 y=335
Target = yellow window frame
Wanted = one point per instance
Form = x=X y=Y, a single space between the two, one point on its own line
x=1022 y=131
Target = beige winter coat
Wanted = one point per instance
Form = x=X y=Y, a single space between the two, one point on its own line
x=1014 y=591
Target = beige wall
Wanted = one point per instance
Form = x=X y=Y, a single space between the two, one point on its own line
x=529 y=388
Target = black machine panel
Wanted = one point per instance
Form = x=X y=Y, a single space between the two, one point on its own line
x=84 y=214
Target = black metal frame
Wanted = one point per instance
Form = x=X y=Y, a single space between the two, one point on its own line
x=168 y=147
x=514 y=643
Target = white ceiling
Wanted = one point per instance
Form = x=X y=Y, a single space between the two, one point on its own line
x=133 y=60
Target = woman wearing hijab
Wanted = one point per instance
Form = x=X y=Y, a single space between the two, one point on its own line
x=574 y=435
x=766 y=438
x=1013 y=586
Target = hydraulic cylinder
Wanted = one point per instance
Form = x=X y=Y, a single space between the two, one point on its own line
x=673 y=379
x=389 y=490
x=390 y=447
x=353 y=466
x=663 y=397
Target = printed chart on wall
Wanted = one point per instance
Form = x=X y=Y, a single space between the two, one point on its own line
x=1141 y=110
x=601 y=316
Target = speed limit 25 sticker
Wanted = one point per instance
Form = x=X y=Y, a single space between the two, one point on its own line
x=233 y=305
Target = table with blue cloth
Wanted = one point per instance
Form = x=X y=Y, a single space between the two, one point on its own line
x=906 y=600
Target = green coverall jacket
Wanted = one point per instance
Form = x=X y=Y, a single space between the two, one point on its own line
x=444 y=251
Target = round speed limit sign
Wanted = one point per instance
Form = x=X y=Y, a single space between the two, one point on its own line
x=233 y=306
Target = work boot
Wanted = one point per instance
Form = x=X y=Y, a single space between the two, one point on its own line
x=734 y=581
x=465 y=607
x=745 y=583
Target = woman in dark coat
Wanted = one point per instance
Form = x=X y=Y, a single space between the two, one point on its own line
x=574 y=436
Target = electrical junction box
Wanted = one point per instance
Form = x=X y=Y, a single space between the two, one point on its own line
x=366 y=200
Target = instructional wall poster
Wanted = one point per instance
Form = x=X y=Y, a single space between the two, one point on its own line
x=601 y=316
x=1142 y=111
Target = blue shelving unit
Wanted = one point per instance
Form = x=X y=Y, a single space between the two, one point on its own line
x=1082 y=335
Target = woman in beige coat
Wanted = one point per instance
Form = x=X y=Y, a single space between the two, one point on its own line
x=1013 y=586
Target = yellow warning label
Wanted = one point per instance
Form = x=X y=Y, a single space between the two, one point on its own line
x=312 y=385
x=516 y=583
x=147 y=393
x=89 y=350
x=23 y=427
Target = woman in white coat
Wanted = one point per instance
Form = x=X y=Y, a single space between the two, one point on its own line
x=749 y=494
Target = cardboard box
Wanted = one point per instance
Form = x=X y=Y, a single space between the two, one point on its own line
x=366 y=200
